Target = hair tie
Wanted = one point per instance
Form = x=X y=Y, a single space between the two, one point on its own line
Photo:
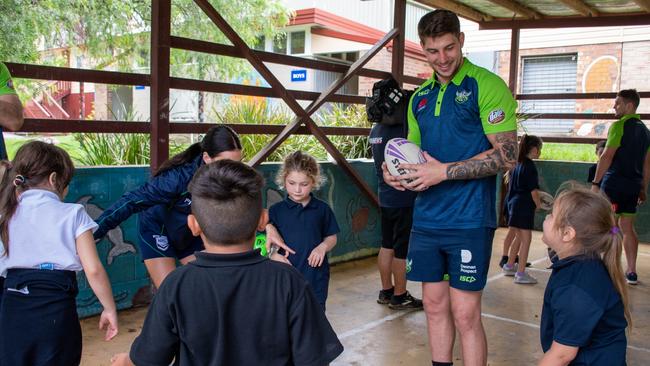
x=19 y=180
x=615 y=230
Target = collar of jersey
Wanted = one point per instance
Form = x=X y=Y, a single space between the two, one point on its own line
x=628 y=116
x=460 y=74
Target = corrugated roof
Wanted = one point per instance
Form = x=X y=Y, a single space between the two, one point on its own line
x=506 y=14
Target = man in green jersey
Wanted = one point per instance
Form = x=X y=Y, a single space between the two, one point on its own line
x=623 y=171
x=464 y=120
x=11 y=110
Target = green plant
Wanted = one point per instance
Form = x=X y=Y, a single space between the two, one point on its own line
x=352 y=147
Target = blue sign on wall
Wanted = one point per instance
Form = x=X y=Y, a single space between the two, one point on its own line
x=299 y=75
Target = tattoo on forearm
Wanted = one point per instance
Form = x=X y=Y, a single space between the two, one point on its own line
x=501 y=158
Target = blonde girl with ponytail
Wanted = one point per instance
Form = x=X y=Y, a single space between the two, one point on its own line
x=585 y=312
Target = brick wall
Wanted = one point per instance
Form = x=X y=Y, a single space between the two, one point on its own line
x=600 y=68
x=383 y=61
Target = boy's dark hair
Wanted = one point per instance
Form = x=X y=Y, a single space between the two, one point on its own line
x=438 y=23
x=227 y=201
x=631 y=95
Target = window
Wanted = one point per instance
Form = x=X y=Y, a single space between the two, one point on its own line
x=280 y=44
x=260 y=43
x=297 y=42
x=549 y=75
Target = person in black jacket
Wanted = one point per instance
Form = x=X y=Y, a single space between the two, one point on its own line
x=164 y=204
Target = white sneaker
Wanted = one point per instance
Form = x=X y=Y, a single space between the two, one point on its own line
x=509 y=271
x=525 y=279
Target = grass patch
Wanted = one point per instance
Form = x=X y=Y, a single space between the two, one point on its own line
x=568 y=152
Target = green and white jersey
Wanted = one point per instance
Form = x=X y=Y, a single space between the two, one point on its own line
x=451 y=122
x=632 y=140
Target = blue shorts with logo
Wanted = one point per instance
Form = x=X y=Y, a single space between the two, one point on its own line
x=462 y=253
x=161 y=238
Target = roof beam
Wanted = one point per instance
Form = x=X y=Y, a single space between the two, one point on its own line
x=458 y=8
x=644 y=4
x=568 y=22
x=581 y=7
x=520 y=9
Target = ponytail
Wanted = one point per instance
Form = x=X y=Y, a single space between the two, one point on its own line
x=8 y=202
x=218 y=139
x=526 y=143
x=612 y=259
x=31 y=168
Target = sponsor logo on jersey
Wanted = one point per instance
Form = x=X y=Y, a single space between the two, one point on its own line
x=462 y=96
x=496 y=116
x=421 y=104
x=424 y=92
x=375 y=140
x=161 y=242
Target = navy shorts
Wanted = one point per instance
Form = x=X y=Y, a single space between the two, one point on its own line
x=462 y=253
x=396 y=225
x=623 y=203
x=155 y=243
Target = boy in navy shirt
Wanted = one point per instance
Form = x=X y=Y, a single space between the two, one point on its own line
x=232 y=306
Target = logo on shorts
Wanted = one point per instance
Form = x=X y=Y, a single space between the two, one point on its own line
x=468 y=279
x=496 y=116
x=462 y=96
x=161 y=242
x=409 y=262
x=465 y=256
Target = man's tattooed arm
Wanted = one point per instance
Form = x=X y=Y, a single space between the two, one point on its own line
x=502 y=157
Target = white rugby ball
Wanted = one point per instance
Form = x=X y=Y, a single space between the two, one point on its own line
x=546 y=201
x=402 y=151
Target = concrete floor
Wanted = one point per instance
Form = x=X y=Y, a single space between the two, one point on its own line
x=375 y=335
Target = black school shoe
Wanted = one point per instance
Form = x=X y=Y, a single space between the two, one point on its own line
x=405 y=301
x=385 y=296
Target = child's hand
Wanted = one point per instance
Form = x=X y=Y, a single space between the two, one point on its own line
x=317 y=256
x=280 y=258
x=121 y=359
x=108 y=321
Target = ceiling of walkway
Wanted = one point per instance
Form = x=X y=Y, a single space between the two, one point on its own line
x=508 y=14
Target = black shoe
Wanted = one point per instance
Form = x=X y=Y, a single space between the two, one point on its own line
x=385 y=296
x=405 y=301
x=504 y=260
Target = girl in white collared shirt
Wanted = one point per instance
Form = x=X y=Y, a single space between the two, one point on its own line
x=44 y=243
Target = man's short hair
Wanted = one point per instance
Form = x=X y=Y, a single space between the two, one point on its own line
x=631 y=95
x=227 y=201
x=438 y=23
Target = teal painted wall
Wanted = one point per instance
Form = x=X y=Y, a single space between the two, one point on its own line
x=98 y=188
x=553 y=173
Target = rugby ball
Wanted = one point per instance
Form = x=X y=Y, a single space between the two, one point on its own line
x=546 y=201
x=402 y=151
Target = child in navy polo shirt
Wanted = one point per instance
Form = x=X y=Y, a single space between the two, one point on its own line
x=523 y=199
x=585 y=309
x=45 y=242
x=231 y=306
x=306 y=223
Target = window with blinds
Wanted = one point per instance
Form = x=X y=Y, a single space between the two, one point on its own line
x=549 y=75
